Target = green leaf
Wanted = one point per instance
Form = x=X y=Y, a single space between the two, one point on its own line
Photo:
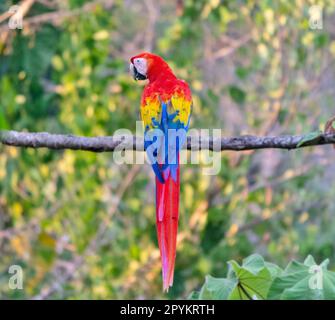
x=249 y=281
x=237 y=94
x=274 y=269
x=309 y=261
x=310 y=137
x=217 y=288
x=306 y=281
x=253 y=263
x=254 y=281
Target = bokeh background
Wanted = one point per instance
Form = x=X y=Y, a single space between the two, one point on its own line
x=83 y=227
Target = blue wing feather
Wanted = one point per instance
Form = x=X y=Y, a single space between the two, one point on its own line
x=165 y=163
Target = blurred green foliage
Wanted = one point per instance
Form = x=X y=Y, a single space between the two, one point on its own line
x=82 y=226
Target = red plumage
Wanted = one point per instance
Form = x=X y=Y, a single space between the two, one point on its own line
x=167 y=214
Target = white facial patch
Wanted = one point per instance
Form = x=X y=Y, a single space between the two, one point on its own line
x=131 y=69
x=141 y=65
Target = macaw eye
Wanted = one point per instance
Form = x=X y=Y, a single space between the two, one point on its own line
x=137 y=61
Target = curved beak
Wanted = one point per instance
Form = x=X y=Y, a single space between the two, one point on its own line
x=135 y=74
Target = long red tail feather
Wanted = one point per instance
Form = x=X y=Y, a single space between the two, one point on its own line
x=167 y=204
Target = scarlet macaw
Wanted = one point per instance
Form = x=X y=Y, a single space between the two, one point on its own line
x=166 y=107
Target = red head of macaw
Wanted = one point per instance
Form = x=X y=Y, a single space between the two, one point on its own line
x=166 y=107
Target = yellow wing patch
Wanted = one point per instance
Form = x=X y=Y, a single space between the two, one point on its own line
x=152 y=109
x=149 y=110
x=183 y=106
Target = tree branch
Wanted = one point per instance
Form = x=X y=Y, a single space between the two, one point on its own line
x=56 y=16
x=129 y=142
